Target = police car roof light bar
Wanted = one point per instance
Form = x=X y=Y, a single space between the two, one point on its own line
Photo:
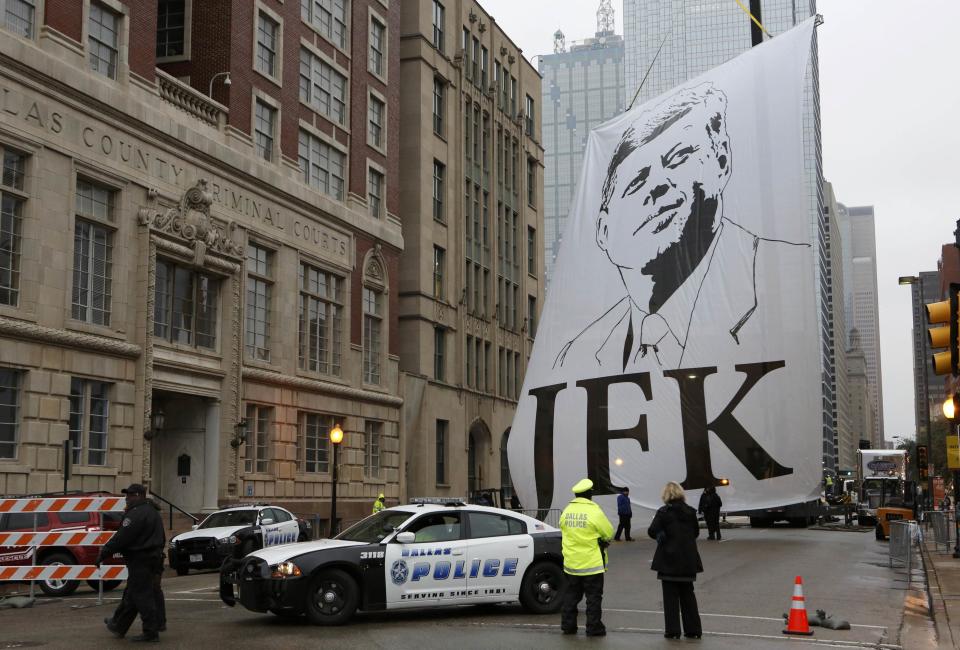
x=438 y=501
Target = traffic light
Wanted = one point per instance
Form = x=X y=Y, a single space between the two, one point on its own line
x=922 y=462
x=944 y=333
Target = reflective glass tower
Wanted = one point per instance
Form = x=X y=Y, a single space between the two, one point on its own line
x=693 y=36
x=582 y=88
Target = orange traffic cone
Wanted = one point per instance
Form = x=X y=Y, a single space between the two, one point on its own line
x=797 y=623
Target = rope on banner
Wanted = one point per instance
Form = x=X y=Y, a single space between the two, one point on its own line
x=756 y=22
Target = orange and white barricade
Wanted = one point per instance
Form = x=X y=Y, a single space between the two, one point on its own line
x=61 y=538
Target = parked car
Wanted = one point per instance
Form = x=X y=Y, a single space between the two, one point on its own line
x=52 y=522
x=237 y=530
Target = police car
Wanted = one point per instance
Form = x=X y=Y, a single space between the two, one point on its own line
x=238 y=529
x=417 y=555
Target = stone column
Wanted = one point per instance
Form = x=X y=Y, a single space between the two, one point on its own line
x=211 y=457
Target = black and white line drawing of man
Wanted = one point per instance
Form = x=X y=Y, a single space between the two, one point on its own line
x=683 y=262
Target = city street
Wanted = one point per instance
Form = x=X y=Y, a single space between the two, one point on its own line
x=743 y=593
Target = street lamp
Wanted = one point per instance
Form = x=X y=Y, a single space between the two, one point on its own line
x=951 y=411
x=336 y=437
x=226 y=82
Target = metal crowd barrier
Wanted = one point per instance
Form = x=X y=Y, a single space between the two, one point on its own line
x=941 y=523
x=902 y=535
x=82 y=538
x=549 y=516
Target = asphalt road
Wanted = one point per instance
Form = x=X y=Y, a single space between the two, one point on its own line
x=745 y=589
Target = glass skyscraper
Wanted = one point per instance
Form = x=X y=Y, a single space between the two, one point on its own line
x=582 y=88
x=693 y=36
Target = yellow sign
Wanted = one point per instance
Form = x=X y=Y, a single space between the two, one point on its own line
x=953 y=453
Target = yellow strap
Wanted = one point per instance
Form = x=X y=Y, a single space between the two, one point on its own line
x=757 y=22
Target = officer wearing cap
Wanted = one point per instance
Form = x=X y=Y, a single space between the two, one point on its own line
x=586 y=535
x=378 y=504
x=140 y=539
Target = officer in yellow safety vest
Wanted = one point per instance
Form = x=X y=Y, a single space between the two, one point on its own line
x=586 y=535
x=378 y=504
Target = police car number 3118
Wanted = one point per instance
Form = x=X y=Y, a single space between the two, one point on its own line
x=418 y=555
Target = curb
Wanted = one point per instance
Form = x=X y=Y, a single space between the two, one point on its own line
x=936 y=605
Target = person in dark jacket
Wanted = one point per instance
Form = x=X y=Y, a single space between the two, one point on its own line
x=709 y=507
x=140 y=539
x=677 y=562
x=625 y=512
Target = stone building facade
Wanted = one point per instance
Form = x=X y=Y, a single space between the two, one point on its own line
x=195 y=291
x=471 y=277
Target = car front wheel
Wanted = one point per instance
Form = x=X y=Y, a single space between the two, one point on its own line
x=332 y=598
x=541 y=591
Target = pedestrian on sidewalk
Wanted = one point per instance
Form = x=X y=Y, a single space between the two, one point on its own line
x=677 y=562
x=710 y=504
x=586 y=532
x=625 y=512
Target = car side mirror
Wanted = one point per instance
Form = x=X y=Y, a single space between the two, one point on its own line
x=266 y=521
x=406 y=537
x=195 y=526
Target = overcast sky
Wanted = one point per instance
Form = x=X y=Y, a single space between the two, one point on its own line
x=891 y=137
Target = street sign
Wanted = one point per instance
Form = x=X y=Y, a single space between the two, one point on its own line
x=953 y=453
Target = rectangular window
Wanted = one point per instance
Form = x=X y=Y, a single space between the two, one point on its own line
x=531 y=316
x=528 y=116
x=18 y=17
x=103 y=43
x=531 y=182
x=9 y=412
x=486 y=366
x=475 y=63
x=438 y=19
x=378 y=42
x=465 y=45
x=438 y=190
x=372 y=333
x=373 y=434
x=12 y=201
x=322 y=166
x=320 y=322
x=171 y=24
x=264 y=127
x=531 y=251
x=185 y=306
x=438 y=97
x=89 y=421
x=502 y=375
x=329 y=17
x=257 y=456
x=376 y=109
x=259 y=290
x=484 y=66
x=496 y=82
x=439 y=354
x=375 y=193
x=513 y=97
x=470 y=361
x=441 y=451
x=315 y=442
x=439 y=265
x=92 y=251
x=322 y=87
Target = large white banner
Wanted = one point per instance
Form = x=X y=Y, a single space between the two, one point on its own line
x=679 y=339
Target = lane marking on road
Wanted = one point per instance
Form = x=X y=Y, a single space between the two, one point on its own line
x=752 y=618
x=193 y=591
x=830 y=643
x=166 y=598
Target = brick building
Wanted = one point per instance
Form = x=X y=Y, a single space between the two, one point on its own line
x=471 y=278
x=192 y=289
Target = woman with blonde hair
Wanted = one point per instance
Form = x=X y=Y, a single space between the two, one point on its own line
x=677 y=562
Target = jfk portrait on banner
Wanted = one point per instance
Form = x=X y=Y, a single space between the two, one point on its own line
x=661 y=223
x=682 y=336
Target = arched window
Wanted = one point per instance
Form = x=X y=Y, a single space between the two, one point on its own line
x=374 y=316
x=506 y=483
x=472 y=464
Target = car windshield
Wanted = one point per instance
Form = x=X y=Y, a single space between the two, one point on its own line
x=375 y=527
x=230 y=518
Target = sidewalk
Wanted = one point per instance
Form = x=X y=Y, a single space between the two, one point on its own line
x=943 y=580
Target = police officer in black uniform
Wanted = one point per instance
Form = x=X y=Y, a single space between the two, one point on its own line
x=140 y=539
